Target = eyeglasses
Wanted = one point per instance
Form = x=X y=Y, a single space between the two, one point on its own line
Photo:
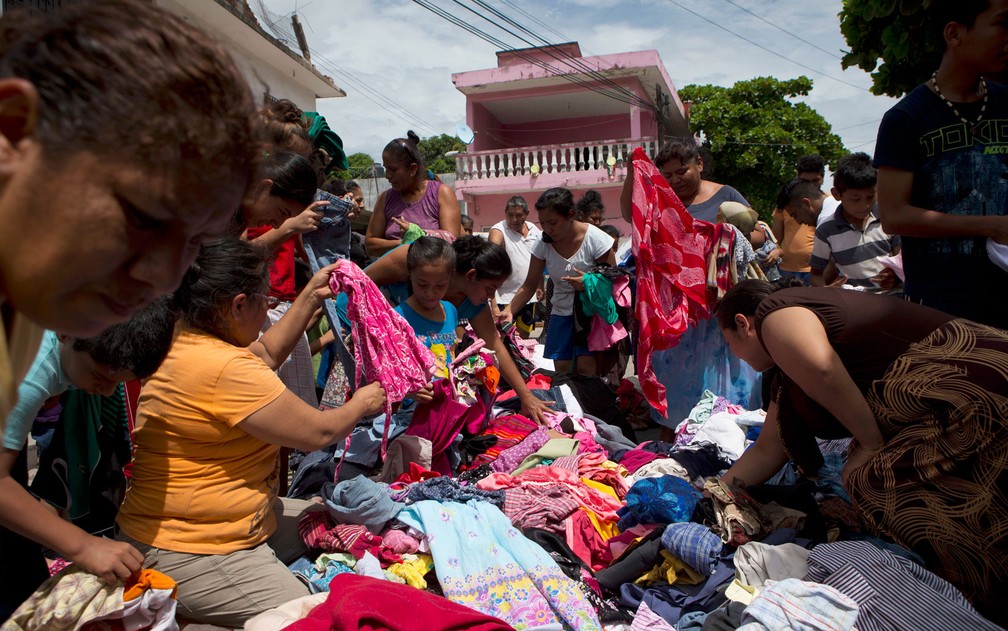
x=271 y=301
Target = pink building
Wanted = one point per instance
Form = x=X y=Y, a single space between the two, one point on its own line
x=539 y=127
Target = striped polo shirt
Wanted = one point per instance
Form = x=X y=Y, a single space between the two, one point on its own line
x=855 y=250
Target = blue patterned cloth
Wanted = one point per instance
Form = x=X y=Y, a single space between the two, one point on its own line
x=445 y=489
x=318 y=580
x=800 y=606
x=695 y=544
x=662 y=500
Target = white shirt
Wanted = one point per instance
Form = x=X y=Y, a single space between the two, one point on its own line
x=595 y=246
x=519 y=250
x=829 y=206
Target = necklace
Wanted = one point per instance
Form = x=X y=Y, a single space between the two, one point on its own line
x=983 y=108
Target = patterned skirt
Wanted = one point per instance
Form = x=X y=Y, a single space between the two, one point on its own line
x=940 y=485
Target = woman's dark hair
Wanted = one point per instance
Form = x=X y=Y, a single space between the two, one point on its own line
x=590 y=202
x=139 y=344
x=407 y=151
x=427 y=250
x=490 y=260
x=128 y=78
x=558 y=200
x=745 y=297
x=612 y=231
x=224 y=268
x=339 y=188
x=681 y=148
x=292 y=175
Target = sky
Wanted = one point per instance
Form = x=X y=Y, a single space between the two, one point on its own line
x=395 y=58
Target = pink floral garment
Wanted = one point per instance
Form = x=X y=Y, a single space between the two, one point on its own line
x=385 y=347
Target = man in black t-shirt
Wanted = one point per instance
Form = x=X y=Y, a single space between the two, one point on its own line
x=942 y=155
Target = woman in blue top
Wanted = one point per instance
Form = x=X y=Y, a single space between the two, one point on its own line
x=431 y=265
x=481 y=268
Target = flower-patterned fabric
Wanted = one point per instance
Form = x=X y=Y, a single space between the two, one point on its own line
x=484 y=563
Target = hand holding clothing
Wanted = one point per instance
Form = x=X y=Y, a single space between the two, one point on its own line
x=308 y=220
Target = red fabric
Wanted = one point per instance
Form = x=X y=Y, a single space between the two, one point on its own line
x=319 y=531
x=586 y=542
x=441 y=420
x=417 y=473
x=637 y=458
x=132 y=391
x=370 y=604
x=282 y=284
x=670 y=247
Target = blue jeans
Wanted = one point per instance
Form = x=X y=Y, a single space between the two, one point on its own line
x=804 y=277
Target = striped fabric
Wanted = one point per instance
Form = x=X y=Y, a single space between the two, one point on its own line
x=800 y=606
x=855 y=251
x=892 y=593
x=509 y=430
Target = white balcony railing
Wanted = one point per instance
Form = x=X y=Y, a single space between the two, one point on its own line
x=561 y=158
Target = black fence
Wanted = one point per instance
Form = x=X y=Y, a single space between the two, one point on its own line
x=37 y=6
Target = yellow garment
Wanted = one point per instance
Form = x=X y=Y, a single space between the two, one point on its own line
x=672 y=570
x=16 y=357
x=413 y=570
x=200 y=483
x=796 y=243
x=740 y=592
x=606 y=529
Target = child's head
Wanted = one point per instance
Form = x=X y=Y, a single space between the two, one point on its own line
x=802 y=200
x=556 y=213
x=975 y=31
x=590 y=208
x=738 y=215
x=854 y=184
x=467 y=224
x=133 y=349
x=484 y=265
x=285 y=128
x=431 y=265
x=612 y=231
x=147 y=125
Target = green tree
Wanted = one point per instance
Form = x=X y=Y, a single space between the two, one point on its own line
x=433 y=149
x=894 y=40
x=360 y=167
x=756 y=133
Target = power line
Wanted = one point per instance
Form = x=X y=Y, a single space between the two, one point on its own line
x=784 y=30
x=871 y=122
x=573 y=78
x=577 y=62
x=762 y=47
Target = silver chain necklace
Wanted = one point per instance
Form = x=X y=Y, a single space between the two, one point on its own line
x=983 y=108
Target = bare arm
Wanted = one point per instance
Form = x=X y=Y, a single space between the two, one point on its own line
x=817 y=370
x=484 y=327
x=449 y=215
x=901 y=217
x=306 y=221
x=528 y=288
x=290 y=422
x=19 y=511
x=374 y=238
x=764 y=458
x=390 y=268
x=626 y=194
x=496 y=236
x=279 y=340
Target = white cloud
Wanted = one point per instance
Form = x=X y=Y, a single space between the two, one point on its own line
x=408 y=54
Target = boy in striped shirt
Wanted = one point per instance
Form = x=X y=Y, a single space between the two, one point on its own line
x=853 y=236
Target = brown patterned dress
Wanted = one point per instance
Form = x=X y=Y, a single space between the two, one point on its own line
x=938 y=387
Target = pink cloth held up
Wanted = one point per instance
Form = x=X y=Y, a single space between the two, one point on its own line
x=671 y=249
x=385 y=348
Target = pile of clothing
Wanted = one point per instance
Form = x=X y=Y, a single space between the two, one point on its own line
x=574 y=525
